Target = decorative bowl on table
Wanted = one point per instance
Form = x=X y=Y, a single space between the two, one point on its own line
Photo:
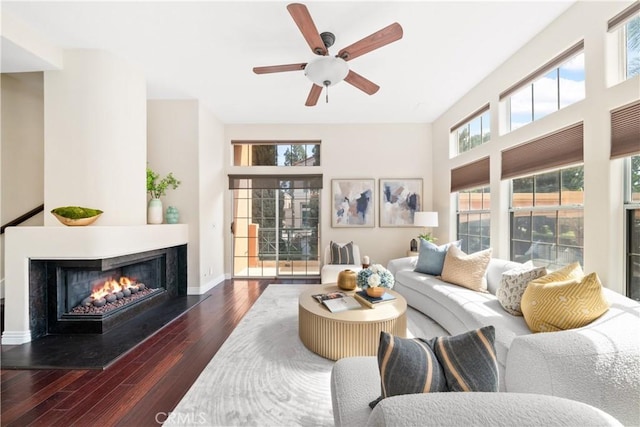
x=76 y=215
x=376 y=292
x=375 y=280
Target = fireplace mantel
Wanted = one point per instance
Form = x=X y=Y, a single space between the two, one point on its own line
x=54 y=242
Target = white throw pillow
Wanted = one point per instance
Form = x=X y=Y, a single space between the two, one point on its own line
x=513 y=284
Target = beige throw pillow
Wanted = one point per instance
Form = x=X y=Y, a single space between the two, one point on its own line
x=466 y=270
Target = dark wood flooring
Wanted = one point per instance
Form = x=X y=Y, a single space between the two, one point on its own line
x=142 y=387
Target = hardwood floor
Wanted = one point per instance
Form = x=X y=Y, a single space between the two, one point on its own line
x=146 y=384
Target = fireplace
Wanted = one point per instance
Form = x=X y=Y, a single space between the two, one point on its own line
x=123 y=287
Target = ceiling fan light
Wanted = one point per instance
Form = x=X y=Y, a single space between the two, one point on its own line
x=326 y=70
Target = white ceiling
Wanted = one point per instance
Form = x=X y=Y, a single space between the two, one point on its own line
x=206 y=50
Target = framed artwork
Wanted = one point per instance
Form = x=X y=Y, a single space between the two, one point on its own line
x=399 y=200
x=352 y=202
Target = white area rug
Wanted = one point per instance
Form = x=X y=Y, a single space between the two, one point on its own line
x=264 y=376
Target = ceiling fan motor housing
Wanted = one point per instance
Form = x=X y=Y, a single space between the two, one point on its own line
x=328 y=39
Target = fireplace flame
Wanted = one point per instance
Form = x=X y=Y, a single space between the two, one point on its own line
x=111 y=286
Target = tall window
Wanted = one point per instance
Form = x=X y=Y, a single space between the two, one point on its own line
x=547 y=217
x=473 y=130
x=553 y=86
x=633 y=228
x=473 y=219
x=276 y=153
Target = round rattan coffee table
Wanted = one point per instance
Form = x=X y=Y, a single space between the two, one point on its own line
x=348 y=333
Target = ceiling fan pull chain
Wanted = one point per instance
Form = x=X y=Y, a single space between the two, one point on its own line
x=326 y=94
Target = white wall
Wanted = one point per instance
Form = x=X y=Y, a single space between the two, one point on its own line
x=95 y=137
x=351 y=151
x=212 y=191
x=603 y=215
x=22 y=150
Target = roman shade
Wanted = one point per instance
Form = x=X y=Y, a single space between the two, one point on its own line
x=557 y=149
x=471 y=175
x=554 y=63
x=625 y=130
x=471 y=116
x=623 y=16
x=275 y=182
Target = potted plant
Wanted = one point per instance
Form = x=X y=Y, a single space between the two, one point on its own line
x=157 y=188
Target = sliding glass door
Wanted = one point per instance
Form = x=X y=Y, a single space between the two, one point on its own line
x=275 y=225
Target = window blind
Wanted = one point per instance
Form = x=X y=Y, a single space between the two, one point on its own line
x=275 y=182
x=272 y=142
x=558 y=149
x=554 y=63
x=625 y=130
x=623 y=16
x=471 y=116
x=471 y=175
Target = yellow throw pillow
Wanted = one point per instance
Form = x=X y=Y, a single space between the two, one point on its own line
x=564 y=299
x=466 y=270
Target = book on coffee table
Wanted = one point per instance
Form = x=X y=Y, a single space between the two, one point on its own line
x=330 y=295
x=345 y=303
x=371 y=302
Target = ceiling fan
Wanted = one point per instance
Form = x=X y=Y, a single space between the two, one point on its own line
x=328 y=70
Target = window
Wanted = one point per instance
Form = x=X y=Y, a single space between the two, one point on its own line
x=472 y=131
x=547 y=217
x=633 y=227
x=275 y=153
x=632 y=47
x=627 y=24
x=473 y=219
x=557 y=84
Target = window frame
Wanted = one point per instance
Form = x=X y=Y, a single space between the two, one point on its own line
x=557 y=209
x=486 y=210
x=629 y=207
x=528 y=82
x=466 y=123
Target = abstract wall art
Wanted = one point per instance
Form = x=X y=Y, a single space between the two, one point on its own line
x=399 y=200
x=353 y=203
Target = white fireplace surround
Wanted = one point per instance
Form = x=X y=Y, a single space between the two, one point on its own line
x=94 y=242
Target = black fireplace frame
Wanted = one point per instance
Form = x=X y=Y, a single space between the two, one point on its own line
x=45 y=290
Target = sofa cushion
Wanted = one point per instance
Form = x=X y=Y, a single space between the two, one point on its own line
x=469 y=360
x=408 y=365
x=513 y=284
x=466 y=270
x=431 y=257
x=564 y=299
x=342 y=254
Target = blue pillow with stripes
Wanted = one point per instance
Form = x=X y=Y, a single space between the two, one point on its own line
x=342 y=254
x=465 y=362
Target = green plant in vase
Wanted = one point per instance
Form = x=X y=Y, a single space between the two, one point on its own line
x=156 y=188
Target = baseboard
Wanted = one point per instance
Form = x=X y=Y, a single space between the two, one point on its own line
x=199 y=290
x=16 y=337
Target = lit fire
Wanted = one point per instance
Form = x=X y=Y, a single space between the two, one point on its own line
x=112 y=286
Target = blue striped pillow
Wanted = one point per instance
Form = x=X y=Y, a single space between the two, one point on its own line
x=342 y=254
x=469 y=360
x=408 y=366
x=465 y=362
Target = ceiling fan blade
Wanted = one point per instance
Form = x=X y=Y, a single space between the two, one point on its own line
x=365 y=85
x=376 y=40
x=279 y=68
x=314 y=94
x=302 y=18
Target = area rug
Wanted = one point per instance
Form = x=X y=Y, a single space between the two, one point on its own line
x=264 y=376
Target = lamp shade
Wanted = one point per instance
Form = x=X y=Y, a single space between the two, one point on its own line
x=326 y=70
x=425 y=219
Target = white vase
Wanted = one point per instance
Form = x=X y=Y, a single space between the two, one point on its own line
x=154 y=211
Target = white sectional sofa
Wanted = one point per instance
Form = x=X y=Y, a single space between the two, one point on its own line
x=598 y=364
